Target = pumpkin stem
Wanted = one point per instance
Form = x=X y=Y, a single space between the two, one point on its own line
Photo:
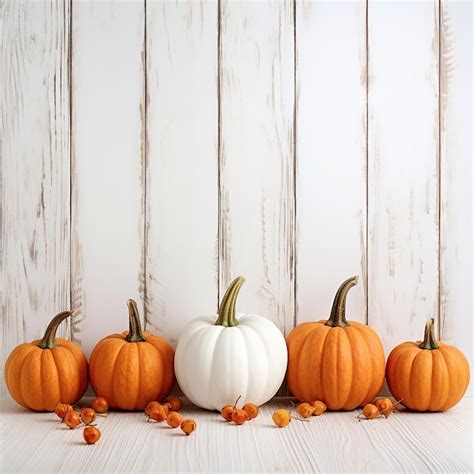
x=338 y=311
x=135 y=333
x=49 y=337
x=429 y=342
x=226 y=313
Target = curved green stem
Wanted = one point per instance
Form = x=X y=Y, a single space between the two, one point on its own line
x=135 y=333
x=226 y=313
x=49 y=337
x=338 y=311
x=429 y=342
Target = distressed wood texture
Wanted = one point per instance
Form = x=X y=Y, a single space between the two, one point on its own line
x=182 y=194
x=402 y=168
x=333 y=442
x=107 y=168
x=456 y=175
x=331 y=156
x=256 y=234
x=35 y=170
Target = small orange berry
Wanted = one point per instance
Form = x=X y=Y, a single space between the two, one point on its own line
x=370 y=411
x=175 y=403
x=319 y=407
x=174 y=419
x=61 y=409
x=100 y=405
x=385 y=406
x=188 y=426
x=227 y=411
x=91 y=434
x=281 y=417
x=158 y=413
x=150 y=406
x=251 y=409
x=72 y=419
x=239 y=416
x=305 y=410
x=87 y=415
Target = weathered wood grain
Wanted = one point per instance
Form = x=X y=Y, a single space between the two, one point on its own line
x=34 y=137
x=456 y=175
x=333 y=442
x=257 y=207
x=331 y=156
x=107 y=169
x=403 y=168
x=182 y=185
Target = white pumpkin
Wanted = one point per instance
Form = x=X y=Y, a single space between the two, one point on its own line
x=218 y=361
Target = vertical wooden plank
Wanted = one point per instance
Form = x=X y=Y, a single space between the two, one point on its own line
x=403 y=168
x=107 y=199
x=331 y=155
x=256 y=156
x=456 y=175
x=35 y=169
x=182 y=197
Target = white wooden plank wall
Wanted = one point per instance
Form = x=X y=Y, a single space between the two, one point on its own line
x=155 y=150
x=34 y=137
x=402 y=168
x=182 y=198
x=256 y=232
x=107 y=167
x=456 y=175
x=331 y=156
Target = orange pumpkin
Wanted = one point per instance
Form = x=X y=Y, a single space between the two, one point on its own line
x=43 y=373
x=133 y=368
x=428 y=375
x=336 y=361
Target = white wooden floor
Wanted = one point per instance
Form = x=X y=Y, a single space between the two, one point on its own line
x=406 y=442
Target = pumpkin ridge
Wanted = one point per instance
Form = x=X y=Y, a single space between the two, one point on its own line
x=368 y=335
x=265 y=352
x=430 y=398
x=26 y=383
x=207 y=332
x=110 y=396
x=142 y=353
x=341 y=366
x=95 y=353
x=294 y=381
x=78 y=369
x=321 y=370
x=43 y=382
x=455 y=374
x=166 y=352
x=448 y=396
x=137 y=355
x=441 y=367
x=21 y=376
x=160 y=357
x=392 y=363
x=114 y=373
x=58 y=377
x=185 y=350
x=249 y=365
x=419 y=359
x=306 y=350
x=353 y=329
x=410 y=384
x=63 y=366
x=14 y=386
x=213 y=361
x=81 y=364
